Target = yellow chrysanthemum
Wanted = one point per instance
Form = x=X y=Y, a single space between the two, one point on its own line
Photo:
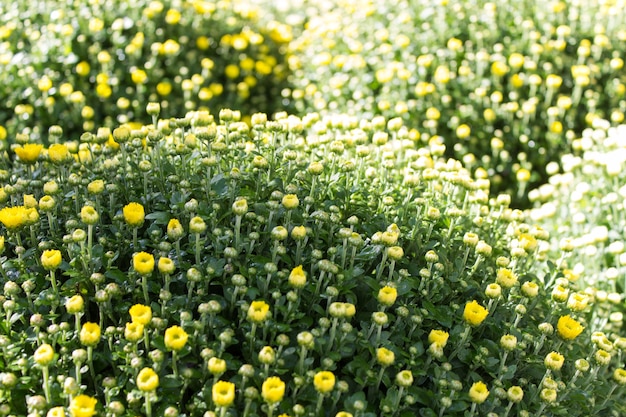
x=273 y=390
x=44 y=354
x=324 y=382
x=387 y=296
x=474 y=313
x=568 y=328
x=133 y=331
x=258 y=311
x=438 y=337
x=297 y=277
x=83 y=406
x=478 y=392
x=90 y=334
x=223 y=393
x=29 y=153
x=75 y=304
x=140 y=313
x=143 y=263
x=175 y=338
x=134 y=214
x=13 y=218
x=147 y=380
x=51 y=259
x=58 y=153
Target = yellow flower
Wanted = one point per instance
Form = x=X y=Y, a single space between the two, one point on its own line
x=223 y=393
x=14 y=218
x=44 y=355
x=133 y=331
x=515 y=394
x=51 y=259
x=30 y=201
x=143 y=263
x=438 y=337
x=619 y=376
x=324 y=382
x=29 y=153
x=75 y=304
x=385 y=357
x=140 y=313
x=197 y=225
x=138 y=76
x=58 y=153
x=83 y=406
x=404 y=378
x=273 y=390
x=478 y=392
x=297 y=277
x=258 y=311
x=216 y=366
x=89 y=334
x=134 y=214
x=240 y=207
x=166 y=265
x=554 y=361
x=174 y=229
x=474 y=313
x=506 y=278
x=89 y=215
x=568 y=328
x=56 y=412
x=290 y=201
x=175 y=338
x=147 y=380
x=95 y=187
x=387 y=296
x=298 y=233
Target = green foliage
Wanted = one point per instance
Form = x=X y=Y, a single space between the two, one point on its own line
x=411 y=279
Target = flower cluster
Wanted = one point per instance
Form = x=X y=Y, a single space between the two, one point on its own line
x=505 y=85
x=294 y=266
x=99 y=64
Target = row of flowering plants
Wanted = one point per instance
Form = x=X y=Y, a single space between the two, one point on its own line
x=98 y=63
x=313 y=266
x=508 y=85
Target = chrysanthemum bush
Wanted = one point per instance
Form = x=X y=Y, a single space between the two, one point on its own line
x=507 y=85
x=583 y=205
x=318 y=266
x=97 y=63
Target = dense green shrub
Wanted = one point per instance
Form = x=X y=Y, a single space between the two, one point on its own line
x=322 y=265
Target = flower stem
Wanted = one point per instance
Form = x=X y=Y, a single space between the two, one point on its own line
x=46 y=382
x=174 y=365
x=148 y=404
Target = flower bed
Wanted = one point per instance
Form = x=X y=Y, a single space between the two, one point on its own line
x=507 y=85
x=299 y=266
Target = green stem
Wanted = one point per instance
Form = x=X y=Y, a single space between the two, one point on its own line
x=46 y=382
x=198 y=249
x=320 y=402
x=174 y=365
x=396 y=406
x=144 y=286
x=237 y=233
x=147 y=398
x=53 y=281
